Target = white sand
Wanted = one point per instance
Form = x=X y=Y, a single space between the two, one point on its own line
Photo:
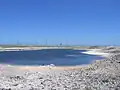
x=40 y=68
x=47 y=68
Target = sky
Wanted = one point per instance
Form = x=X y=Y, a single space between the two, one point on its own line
x=72 y=22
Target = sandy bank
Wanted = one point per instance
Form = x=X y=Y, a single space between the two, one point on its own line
x=41 y=68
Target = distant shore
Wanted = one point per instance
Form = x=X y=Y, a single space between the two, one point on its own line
x=31 y=48
x=24 y=48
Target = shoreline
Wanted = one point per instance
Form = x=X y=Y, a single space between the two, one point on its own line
x=42 y=68
x=32 y=48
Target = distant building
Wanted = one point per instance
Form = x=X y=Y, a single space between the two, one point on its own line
x=60 y=44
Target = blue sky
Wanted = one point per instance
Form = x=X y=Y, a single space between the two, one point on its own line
x=76 y=22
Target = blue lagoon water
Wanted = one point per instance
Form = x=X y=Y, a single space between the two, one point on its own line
x=59 y=57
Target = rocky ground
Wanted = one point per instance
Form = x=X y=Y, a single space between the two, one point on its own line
x=101 y=75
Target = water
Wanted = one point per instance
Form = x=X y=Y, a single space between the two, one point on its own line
x=59 y=57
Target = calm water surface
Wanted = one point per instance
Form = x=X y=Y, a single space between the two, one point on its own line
x=59 y=57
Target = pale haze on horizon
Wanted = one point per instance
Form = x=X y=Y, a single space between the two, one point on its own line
x=73 y=22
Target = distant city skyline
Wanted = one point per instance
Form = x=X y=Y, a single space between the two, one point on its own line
x=72 y=22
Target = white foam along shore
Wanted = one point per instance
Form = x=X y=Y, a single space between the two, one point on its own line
x=96 y=52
